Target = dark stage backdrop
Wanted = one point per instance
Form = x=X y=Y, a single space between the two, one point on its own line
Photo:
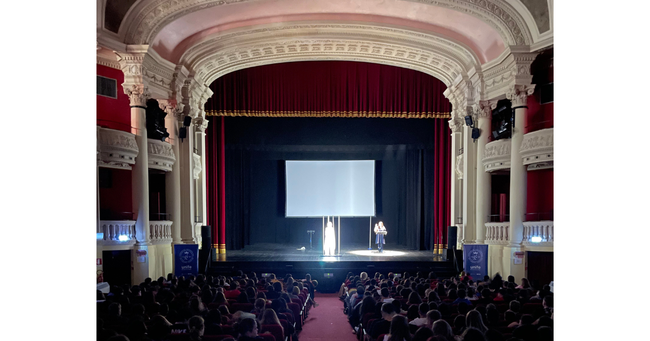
x=412 y=177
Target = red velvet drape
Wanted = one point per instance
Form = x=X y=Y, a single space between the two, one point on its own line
x=328 y=89
x=216 y=182
x=442 y=185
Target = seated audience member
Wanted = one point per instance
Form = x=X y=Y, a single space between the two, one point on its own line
x=399 y=330
x=526 y=330
x=511 y=318
x=421 y=320
x=259 y=306
x=472 y=334
x=544 y=321
x=524 y=284
x=492 y=315
x=443 y=329
x=433 y=297
x=385 y=296
x=398 y=307
x=459 y=324
x=413 y=312
x=432 y=316
x=463 y=308
x=382 y=326
x=511 y=279
x=213 y=323
x=547 y=303
x=220 y=298
x=473 y=319
x=494 y=335
x=269 y=317
x=515 y=307
x=544 y=333
x=234 y=292
x=247 y=329
x=422 y=334
x=196 y=327
x=414 y=298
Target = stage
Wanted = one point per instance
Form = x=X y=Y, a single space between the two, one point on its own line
x=329 y=271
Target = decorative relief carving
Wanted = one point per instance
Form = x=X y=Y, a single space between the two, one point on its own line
x=116 y=148
x=161 y=155
x=497 y=155
x=201 y=123
x=518 y=94
x=455 y=124
x=460 y=163
x=196 y=162
x=484 y=108
x=138 y=95
x=414 y=58
x=537 y=147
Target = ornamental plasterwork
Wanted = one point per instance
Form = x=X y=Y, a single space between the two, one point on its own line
x=117 y=149
x=455 y=124
x=460 y=163
x=226 y=60
x=497 y=155
x=484 y=108
x=153 y=17
x=537 y=147
x=513 y=69
x=194 y=95
x=196 y=162
x=161 y=155
x=201 y=123
x=518 y=94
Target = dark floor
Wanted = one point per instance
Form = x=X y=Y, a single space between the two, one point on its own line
x=280 y=252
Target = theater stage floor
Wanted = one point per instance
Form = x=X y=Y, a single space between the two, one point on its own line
x=291 y=253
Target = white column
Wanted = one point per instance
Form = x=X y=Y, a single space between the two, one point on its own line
x=138 y=96
x=201 y=125
x=483 y=178
x=456 y=196
x=186 y=150
x=469 y=186
x=518 y=95
x=173 y=178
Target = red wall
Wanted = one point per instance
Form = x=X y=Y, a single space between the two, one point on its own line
x=539 y=116
x=113 y=113
x=117 y=198
x=539 y=194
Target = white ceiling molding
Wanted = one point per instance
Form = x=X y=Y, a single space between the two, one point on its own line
x=539 y=41
x=145 y=19
x=243 y=48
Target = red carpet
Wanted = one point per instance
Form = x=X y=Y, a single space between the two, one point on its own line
x=327 y=321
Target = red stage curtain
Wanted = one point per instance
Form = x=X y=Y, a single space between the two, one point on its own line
x=215 y=182
x=328 y=89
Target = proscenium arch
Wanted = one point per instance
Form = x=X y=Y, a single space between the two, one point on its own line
x=147 y=18
x=237 y=49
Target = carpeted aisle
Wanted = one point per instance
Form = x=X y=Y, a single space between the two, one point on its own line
x=327 y=321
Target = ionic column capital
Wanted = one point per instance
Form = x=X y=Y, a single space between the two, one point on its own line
x=519 y=93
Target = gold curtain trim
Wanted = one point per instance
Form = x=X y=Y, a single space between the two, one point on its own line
x=351 y=114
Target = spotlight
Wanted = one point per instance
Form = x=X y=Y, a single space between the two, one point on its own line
x=123 y=238
x=100 y=235
x=536 y=239
x=468 y=121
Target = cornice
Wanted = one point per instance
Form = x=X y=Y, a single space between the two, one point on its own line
x=109 y=63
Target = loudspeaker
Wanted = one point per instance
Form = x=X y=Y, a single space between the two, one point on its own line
x=468 y=120
x=452 y=232
x=187 y=121
x=475 y=133
x=182 y=132
x=206 y=237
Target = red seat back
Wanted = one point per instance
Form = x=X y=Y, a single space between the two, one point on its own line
x=245 y=307
x=275 y=330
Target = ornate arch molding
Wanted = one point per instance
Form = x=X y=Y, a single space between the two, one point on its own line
x=144 y=20
x=238 y=49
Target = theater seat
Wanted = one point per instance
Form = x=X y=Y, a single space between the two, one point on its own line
x=275 y=330
x=217 y=337
x=268 y=337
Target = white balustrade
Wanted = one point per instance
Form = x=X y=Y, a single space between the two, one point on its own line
x=497 y=233
x=541 y=229
x=160 y=231
x=116 y=148
x=497 y=155
x=113 y=229
x=537 y=149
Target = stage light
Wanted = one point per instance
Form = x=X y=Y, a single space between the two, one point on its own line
x=536 y=239
x=100 y=235
x=123 y=238
x=330 y=259
x=386 y=253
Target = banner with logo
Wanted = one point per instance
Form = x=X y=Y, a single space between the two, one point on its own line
x=186 y=259
x=475 y=260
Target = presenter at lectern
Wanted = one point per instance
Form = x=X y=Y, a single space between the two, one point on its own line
x=380 y=230
x=330 y=240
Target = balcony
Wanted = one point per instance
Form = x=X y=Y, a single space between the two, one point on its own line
x=497 y=233
x=160 y=232
x=117 y=232
x=537 y=149
x=538 y=233
x=161 y=155
x=115 y=148
x=497 y=155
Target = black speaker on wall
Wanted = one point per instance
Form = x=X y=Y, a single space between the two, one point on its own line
x=205 y=255
x=452 y=233
x=187 y=121
x=182 y=132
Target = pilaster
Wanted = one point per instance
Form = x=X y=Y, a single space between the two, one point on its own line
x=456 y=125
x=469 y=182
x=173 y=179
x=483 y=112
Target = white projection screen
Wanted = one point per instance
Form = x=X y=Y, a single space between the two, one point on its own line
x=330 y=188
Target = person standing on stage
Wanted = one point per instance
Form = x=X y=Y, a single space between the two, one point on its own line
x=380 y=230
x=330 y=239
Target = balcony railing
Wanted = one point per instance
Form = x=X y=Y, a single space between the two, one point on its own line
x=497 y=233
x=161 y=155
x=538 y=233
x=160 y=231
x=537 y=149
x=118 y=232
x=497 y=155
x=116 y=148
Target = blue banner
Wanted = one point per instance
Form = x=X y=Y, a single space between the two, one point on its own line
x=186 y=259
x=475 y=259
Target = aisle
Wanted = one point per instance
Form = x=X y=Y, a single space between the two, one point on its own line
x=327 y=321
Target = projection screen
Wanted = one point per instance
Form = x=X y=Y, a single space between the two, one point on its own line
x=330 y=188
